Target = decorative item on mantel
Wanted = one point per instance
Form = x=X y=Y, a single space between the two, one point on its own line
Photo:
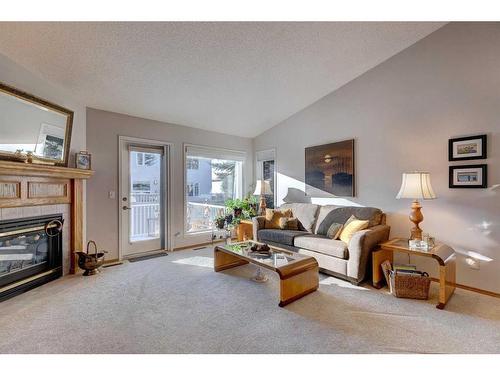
x=83 y=160
x=416 y=185
x=90 y=262
x=262 y=188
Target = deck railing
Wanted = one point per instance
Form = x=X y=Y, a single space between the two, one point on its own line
x=201 y=216
x=144 y=215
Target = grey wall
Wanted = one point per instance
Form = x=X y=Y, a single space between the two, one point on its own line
x=103 y=129
x=401 y=114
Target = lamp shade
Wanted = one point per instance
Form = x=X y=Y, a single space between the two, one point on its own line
x=416 y=185
x=263 y=187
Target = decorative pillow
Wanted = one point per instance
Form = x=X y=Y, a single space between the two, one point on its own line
x=306 y=213
x=273 y=218
x=334 y=231
x=288 y=223
x=351 y=226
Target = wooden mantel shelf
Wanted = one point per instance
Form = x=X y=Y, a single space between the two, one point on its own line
x=24 y=185
x=38 y=170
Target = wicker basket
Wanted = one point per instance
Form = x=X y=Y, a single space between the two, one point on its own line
x=410 y=286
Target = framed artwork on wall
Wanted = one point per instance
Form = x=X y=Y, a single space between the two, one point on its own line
x=468 y=176
x=467 y=148
x=329 y=168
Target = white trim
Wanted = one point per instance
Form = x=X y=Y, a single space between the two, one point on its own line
x=168 y=214
x=243 y=156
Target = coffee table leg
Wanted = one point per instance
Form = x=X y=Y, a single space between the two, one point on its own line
x=447 y=279
x=297 y=286
x=224 y=261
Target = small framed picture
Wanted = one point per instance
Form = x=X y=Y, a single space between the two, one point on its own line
x=83 y=160
x=467 y=148
x=469 y=176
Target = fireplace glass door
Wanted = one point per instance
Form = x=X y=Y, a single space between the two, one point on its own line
x=29 y=247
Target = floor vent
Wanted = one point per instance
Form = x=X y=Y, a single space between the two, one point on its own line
x=146 y=257
x=112 y=264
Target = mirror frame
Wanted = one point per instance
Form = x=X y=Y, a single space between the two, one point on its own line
x=9 y=90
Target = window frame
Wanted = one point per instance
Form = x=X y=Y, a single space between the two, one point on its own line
x=212 y=153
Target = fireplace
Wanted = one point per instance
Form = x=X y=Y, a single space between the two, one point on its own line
x=30 y=253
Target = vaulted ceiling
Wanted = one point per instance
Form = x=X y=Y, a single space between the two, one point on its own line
x=234 y=78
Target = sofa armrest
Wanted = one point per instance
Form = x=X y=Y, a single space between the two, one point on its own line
x=360 y=248
x=258 y=223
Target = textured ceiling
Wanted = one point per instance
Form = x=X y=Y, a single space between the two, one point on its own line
x=234 y=78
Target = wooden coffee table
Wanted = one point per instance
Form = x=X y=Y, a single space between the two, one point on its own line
x=298 y=273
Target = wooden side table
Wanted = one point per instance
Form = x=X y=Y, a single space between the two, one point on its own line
x=443 y=254
x=245 y=229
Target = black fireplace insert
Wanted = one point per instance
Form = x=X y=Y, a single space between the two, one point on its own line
x=30 y=253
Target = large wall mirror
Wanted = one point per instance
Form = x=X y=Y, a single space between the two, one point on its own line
x=32 y=126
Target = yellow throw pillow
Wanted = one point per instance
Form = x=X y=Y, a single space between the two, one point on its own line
x=273 y=218
x=351 y=226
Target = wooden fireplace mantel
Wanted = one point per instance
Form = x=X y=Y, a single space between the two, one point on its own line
x=24 y=185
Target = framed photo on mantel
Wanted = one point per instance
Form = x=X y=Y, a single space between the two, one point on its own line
x=469 y=176
x=467 y=148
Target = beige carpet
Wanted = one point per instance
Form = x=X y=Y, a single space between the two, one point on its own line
x=177 y=304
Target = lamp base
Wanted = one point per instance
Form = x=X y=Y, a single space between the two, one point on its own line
x=416 y=217
x=262 y=205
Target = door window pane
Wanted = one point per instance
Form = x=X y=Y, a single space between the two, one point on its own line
x=209 y=183
x=268 y=174
x=145 y=177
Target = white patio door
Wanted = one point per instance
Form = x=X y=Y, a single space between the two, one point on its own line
x=142 y=199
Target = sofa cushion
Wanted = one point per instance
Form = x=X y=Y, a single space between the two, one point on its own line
x=333 y=214
x=305 y=212
x=273 y=218
x=352 y=226
x=323 y=245
x=334 y=231
x=278 y=235
x=290 y=223
x=322 y=215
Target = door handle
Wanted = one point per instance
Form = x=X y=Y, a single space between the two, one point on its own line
x=126 y=208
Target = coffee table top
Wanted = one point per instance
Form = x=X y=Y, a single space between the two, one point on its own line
x=278 y=258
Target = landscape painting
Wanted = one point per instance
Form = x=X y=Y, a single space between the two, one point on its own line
x=329 y=168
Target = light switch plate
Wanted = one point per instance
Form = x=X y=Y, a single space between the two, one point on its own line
x=112 y=194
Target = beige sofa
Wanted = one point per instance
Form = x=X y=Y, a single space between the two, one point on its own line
x=348 y=261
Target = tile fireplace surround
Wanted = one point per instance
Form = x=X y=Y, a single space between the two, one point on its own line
x=30 y=190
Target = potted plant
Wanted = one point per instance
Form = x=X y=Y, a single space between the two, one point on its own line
x=236 y=205
x=220 y=221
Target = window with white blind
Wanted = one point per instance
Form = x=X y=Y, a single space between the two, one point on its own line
x=212 y=176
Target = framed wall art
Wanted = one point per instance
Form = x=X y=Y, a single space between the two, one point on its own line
x=469 y=176
x=467 y=148
x=329 y=168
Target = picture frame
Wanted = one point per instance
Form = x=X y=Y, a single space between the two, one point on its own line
x=330 y=169
x=467 y=148
x=83 y=160
x=468 y=176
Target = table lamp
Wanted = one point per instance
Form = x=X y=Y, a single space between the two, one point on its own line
x=416 y=185
x=262 y=188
